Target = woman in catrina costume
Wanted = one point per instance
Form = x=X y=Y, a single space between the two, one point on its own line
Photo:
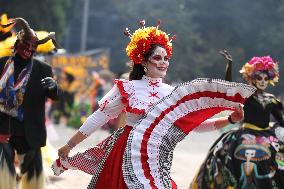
x=157 y=117
x=253 y=155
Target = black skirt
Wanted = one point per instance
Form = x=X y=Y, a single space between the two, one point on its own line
x=243 y=159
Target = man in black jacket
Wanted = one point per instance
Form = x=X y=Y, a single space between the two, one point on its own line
x=25 y=84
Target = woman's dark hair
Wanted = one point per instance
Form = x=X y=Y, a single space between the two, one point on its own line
x=137 y=70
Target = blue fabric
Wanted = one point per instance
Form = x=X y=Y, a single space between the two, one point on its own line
x=11 y=92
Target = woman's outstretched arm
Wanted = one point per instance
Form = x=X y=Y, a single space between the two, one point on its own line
x=110 y=107
x=218 y=123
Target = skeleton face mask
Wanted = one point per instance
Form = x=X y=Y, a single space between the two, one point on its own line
x=250 y=154
x=261 y=81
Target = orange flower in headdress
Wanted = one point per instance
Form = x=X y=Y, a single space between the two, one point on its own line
x=142 y=39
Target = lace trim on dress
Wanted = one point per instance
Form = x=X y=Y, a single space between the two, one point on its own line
x=126 y=91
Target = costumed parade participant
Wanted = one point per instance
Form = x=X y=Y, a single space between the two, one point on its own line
x=115 y=162
x=252 y=156
x=25 y=83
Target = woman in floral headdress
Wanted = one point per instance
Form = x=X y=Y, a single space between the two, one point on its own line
x=252 y=156
x=139 y=154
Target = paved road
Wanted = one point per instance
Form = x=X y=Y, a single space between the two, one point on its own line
x=188 y=156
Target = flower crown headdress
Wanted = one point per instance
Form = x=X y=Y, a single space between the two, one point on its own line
x=142 y=39
x=259 y=65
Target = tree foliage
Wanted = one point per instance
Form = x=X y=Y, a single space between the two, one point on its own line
x=246 y=28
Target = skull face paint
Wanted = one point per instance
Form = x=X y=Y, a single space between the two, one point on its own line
x=261 y=81
x=158 y=63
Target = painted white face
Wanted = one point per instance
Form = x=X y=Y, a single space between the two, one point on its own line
x=261 y=81
x=158 y=63
x=250 y=154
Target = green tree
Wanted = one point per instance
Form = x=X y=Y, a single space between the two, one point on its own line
x=245 y=28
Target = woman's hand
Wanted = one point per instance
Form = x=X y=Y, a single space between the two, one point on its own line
x=74 y=140
x=226 y=55
x=64 y=151
x=238 y=114
x=271 y=174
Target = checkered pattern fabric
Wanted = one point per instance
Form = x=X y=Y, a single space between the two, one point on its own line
x=91 y=161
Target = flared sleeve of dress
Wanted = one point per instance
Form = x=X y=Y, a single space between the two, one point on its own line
x=110 y=106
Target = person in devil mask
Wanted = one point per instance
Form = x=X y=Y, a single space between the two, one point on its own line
x=25 y=84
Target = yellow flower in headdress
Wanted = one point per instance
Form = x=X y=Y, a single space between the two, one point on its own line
x=247 y=70
x=142 y=39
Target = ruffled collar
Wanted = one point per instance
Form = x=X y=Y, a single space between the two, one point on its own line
x=152 y=80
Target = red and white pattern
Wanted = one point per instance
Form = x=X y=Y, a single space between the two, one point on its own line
x=148 y=155
x=138 y=95
x=131 y=96
x=91 y=161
